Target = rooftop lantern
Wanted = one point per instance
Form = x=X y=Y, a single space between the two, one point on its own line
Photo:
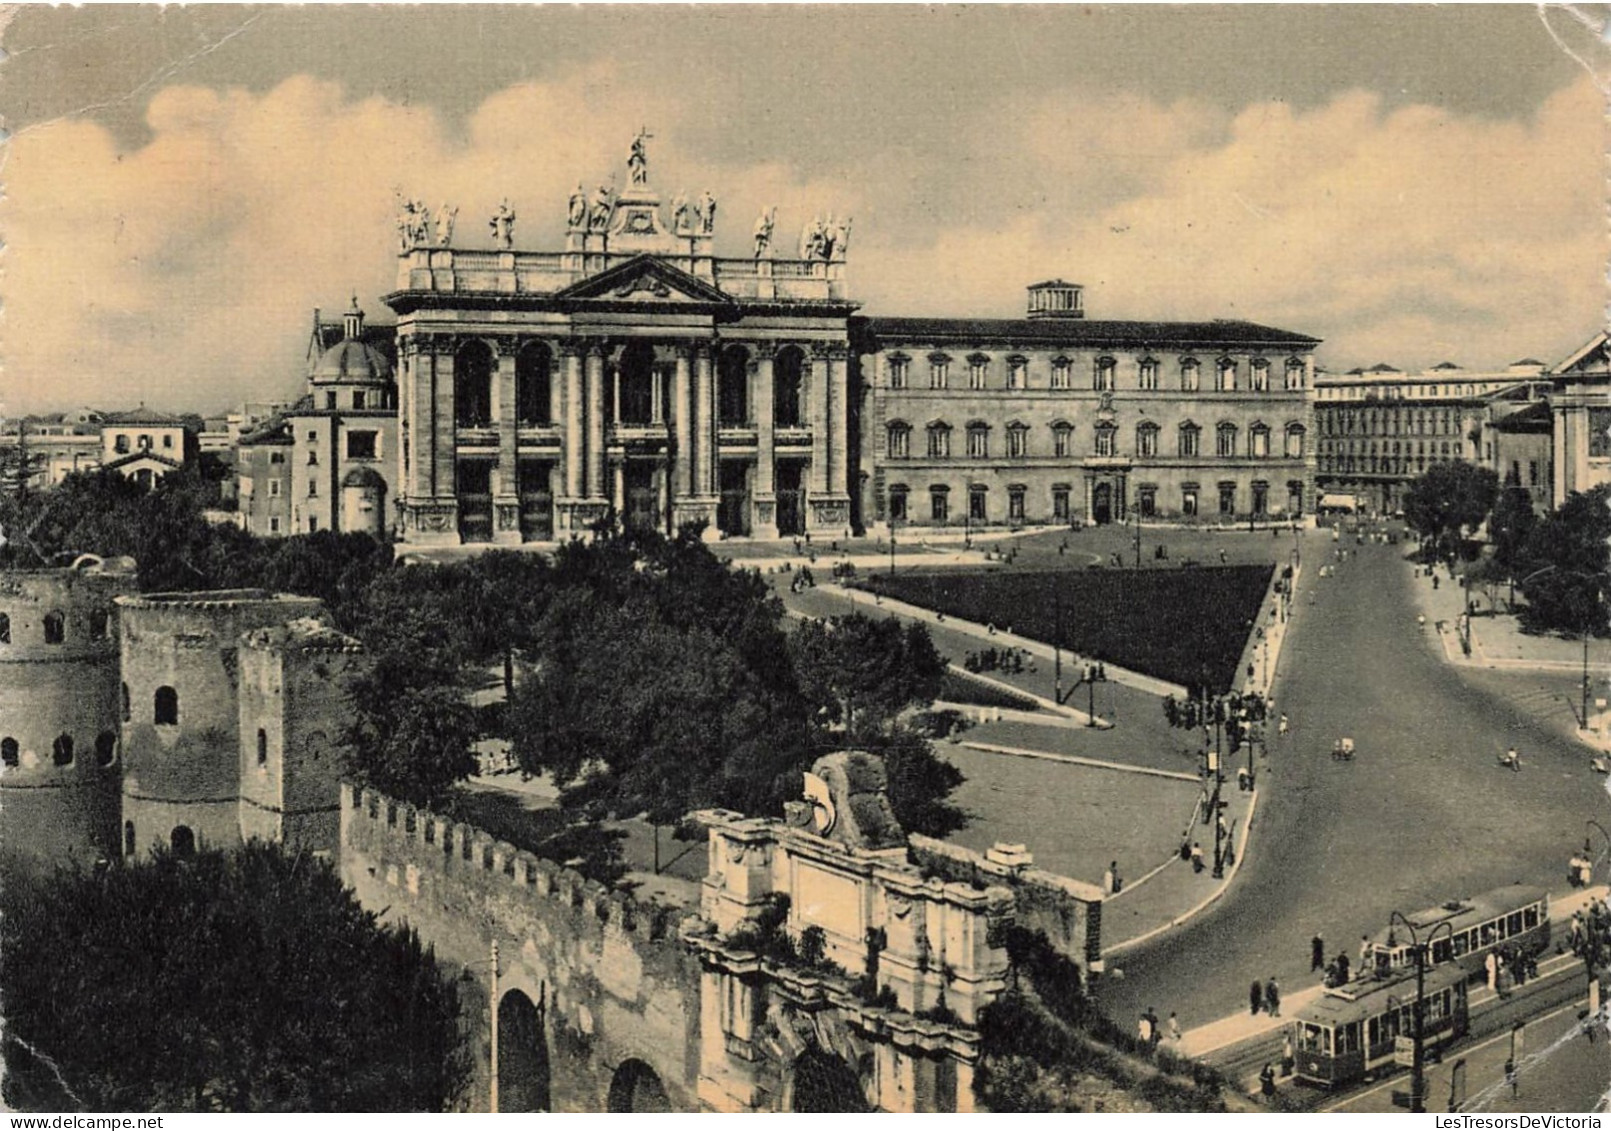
x=1055 y=299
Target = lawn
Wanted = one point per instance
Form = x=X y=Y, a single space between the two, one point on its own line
x=1187 y=626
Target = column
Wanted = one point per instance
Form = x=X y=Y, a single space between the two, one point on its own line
x=657 y=381
x=816 y=383
x=765 y=443
x=418 y=360
x=593 y=454
x=505 y=502
x=444 y=432
x=573 y=440
x=1090 y=500
x=704 y=423
x=838 y=421
x=682 y=483
x=618 y=487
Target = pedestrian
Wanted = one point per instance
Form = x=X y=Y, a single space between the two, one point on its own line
x=1364 y=952
x=1284 y=726
x=1267 y=1083
x=1222 y=557
x=1108 y=879
x=1153 y=1027
x=1434 y=583
x=1272 y=998
x=1255 y=997
x=1287 y=1058
x=1196 y=857
x=1342 y=968
x=1144 y=1029
x=1317 y=953
x=1174 y=1028
x=1512 y=1077
x=1491 y=965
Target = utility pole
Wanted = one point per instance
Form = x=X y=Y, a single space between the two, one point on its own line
x=1219 y=782
x=1057 y=651
x=492 y=1104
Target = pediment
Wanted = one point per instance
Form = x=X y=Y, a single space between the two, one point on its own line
x=645 y=278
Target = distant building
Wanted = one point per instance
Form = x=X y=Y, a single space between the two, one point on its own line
x=46 y=449
x=1581 y=402
x=145 y=445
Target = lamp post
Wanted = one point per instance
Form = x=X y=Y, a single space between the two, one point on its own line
x=1094 y=674
x=892 y=545
x=1595 y=825
x=1057 y=650
x=1421 y=951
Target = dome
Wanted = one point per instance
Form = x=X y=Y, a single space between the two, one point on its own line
x=352 y=360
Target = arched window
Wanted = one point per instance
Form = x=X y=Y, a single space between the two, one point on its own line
x=733 y=387
x=10 y=755
x=99 y=624
x=635 y=372
x=1225 y=374
x=900 y=439
x=472 y=385
x=1102 y=379
x=1225 y=440
x=183 y=840
x=1017 y=440
x=1190 y=374
x=166 y=707
x=939 y=434
x=127 y=712
x=61 y=751
x=1190 y=439
x=128 y=838
x=5 y=629
x=1147 y=440
x=788 y=378
x=105 y=748
x=55 y=628
x=533 y=385
x=262 y=747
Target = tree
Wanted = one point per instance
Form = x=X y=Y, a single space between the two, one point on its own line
x=240 y=981
x=864 y=672
x=1448 y=502
x=1568 y=555
x=1510 y=526
x=417 y=746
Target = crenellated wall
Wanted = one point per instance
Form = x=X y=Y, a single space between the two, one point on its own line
x=609 y=974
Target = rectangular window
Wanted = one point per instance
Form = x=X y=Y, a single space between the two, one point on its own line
x=976 y=374
x=274 y=488
x=1190 y=377
x=1103 y=381
x=897 y=372
x=357 y=398
x=121 y=444
x=1149 y=501
x=1532 y=473
x=1104 y=441
x=900 y=443
x=361 y=445
x=1190 y=441
x=145 y=443
x=1226 y=445
x=1599 y=433
x=939 y=373
x=1061 y=371
x=1146 y=442
x=1060 y=504
x=1188 y=501
x=977 y=510
x=167 y=441
x=313 y=523
x=313 y=459
x=1060 y=442
x=313 y=487
x=1226 y=376
x=1016 y=442
x=1294 y=443
x=274 y=526
x=1261 y=444
x=1018 y=374
x=330 y=399
x=1261 y=376
x=1015 y=505
x=897 y=506
x=276 y=457
x=939 y=443
x=1261 y=498
x=1148 y=375
x=1227 y=498
x=978 y=443
x=939 y=506
x=313 y=436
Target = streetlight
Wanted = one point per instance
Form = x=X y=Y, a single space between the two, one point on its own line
x=1094 y=674
x=892 y=544
x=496 y=969
x=1422 y=950
x=1601 y=830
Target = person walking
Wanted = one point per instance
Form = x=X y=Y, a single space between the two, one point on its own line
x=1255 y=997
x=1272 y=998
x=1174 y=1028
x=1317 y=954
x=1364 y=952
x=1196 y=857
x=1267 y=1083
x=1109 y=878
x=1153 y=1027
x=1144 y=1028
x=1288 y=1060
x=1283 y=727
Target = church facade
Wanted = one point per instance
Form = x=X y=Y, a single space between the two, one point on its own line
x=636 y=371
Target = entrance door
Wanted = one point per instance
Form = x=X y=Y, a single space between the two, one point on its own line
x=1102 y=504
x=791 y=499
x=642 y=498
x=536 y=501
x=475 y=500
x=732 y=513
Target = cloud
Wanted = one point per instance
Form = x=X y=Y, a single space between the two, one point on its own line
x=182 y=272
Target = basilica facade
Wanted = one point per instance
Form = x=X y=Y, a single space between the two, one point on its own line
x=636 y=371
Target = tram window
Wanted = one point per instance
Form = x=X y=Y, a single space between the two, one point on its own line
x=1514 y=924
x=1488 y=934
x=1530 y=916
x=1312 y=1039
x=1462 y=943
x=1441 y=951
x=1472 y=936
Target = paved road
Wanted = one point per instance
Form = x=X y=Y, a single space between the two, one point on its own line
x=1424 y=813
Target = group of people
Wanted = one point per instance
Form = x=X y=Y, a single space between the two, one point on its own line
x=803 y=579
x=1580 y=869
x=1589 y=933
x=1152 y=1033
x=1264 y=996
x=1508 y=966
x=1009 y=660
x=1339 y=969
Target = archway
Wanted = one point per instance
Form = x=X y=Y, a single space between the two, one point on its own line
x=733 y=387
x=472 y=385
x=523 y=1073
x=637 y=1087
x=823 y=1082
x=183 y=841
x=1102 y=504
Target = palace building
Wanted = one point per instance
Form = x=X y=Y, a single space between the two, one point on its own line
x=637 y=371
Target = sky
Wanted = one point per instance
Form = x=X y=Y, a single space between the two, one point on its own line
x=183 y=186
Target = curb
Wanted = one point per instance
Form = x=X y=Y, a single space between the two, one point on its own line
x=1075 y=760
x=1213 y=896
x=1045 y=704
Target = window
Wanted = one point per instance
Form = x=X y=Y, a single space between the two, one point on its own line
x=313 y=436
x=533 y=385
x=276 y=457
x=1060 y=504
x=1147 y=499
x=1532 y=473
x=165 y=707
x=361 y=445
x=1599 y=433
x=1225 y=440
x=183 y=841
x=897 y=503
x=128 y=838
x=978 y=369
x=55 y=628
x=127 y=712
x=978 y=511
x=1017 y=373
x=1259 y=375
x=1188 y=500
x=939 y=370
x=1062 y=373
x=1227 y=498
x=1017 y=441
x=105 y=748
x=1105 y=442
x=1294 y=445
x=145 y=442
x=262 y=747
x=1015 y=505
x=1295 y=498
x=1147 y=377
x=61 y=751
x=274 y=488
x=939 y=504
x=899 y=367
x=900 y=440
x=1147 y=440
x=5 y=629
x=99 y=624
x=1102 y=379
x=167 y=441
x=9 y=754
x=1225 y=375
x=1261 y=499
x=313 y=459
x=274 y=526
x=330 y=400
x=1258 y=442
x=313 y=524
x=357 y=398
x=1190 y=375
x=1294 y=373
x=1190 y=440
x=939 y=441
x=978 y=441
x=313 y=487
x=121 y=444
x=1060 y=439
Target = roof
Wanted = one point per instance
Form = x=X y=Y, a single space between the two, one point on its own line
x=1536 y=417
x=1051 y=283
x=135 y=457
x=1364 y=999
x=352 y=359
x=1587 y=350
x=276 y=431
x=1075 y=332
x=1383 y=367
x=1444 y=365
x=1462 y=914
x=143 y=415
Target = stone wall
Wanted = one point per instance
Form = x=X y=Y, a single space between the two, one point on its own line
x=611 y=979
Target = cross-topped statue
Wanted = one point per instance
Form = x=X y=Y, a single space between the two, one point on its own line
x=638 y=158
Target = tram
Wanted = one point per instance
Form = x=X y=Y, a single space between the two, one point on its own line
x=1352 y=1031
x=1514 y=918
